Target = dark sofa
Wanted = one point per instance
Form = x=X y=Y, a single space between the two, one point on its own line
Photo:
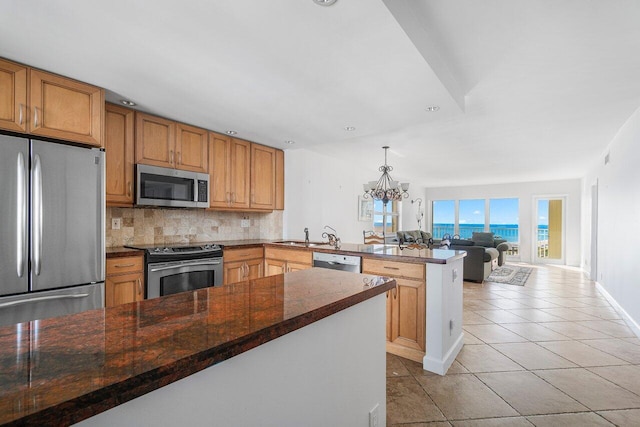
x=484 y=253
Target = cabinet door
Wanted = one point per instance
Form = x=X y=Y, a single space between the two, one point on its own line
x=279 y=180
x=234 y=272
x=408 y=314
x=66 y=109
x=124 y=288
x=254 y=268
x=239 y=169
x=155 y=141
x=296 y=266
x=192 y=148
x=263 y=177
x=274 y=266
x=119 y=147
x=219 y=173
x=13 y=96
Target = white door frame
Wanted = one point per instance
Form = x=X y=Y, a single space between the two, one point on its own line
x=534 y=230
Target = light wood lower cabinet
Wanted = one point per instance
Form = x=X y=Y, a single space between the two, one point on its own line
x=243 y=264
x=406 y=306
x=279 y=260
x=124 y=280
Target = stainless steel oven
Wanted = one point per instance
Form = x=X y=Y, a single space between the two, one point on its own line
x=170 y=270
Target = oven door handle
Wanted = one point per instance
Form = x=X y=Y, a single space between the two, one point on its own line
x=190 y=264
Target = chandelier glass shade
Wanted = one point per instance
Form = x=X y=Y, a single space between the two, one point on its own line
x=385 y=188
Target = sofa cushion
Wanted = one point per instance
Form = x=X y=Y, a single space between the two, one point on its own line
x=483 y=239
x=462 y=242
x=425 y=236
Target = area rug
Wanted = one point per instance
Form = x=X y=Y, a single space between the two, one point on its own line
x=510 y=275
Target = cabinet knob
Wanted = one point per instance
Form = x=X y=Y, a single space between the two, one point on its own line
x=139 y=286
x=171 y=156
x=35 y=117
x=129 y=188
x=21 y=118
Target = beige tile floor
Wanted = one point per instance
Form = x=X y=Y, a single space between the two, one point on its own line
x=551 y=353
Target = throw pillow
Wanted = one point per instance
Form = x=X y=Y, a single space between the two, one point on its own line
x=483 y=239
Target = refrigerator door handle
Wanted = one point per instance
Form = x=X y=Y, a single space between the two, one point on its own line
x=37 y=214
x=36 y=299
x=21 y=217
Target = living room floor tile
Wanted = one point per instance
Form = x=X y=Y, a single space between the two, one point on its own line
x=473 y=318
x=606 y=313
x=574 y=331
x=483 y=358
x=627 y=376
x=623 y=418
x=395 y=367
x=464 y=396
x=470 y=339
x=594 y=392
x=500 y=316
x=584 y=419
x=407 y=402
x=535 y=315
x=506 y=303
x=494 y=422
x=536 y=302
x=620 y=348
x=532 y=356
x=608 y=327
x=569 y=314
x=535 y=332
x=582 y=354
x=493 y=333
x=528 y=394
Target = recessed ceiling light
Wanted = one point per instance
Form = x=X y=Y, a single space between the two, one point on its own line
x=349 y=128
x=288 y=141
x=432 y=108
x=127 y=102
x=232 y=132
x=325 y=2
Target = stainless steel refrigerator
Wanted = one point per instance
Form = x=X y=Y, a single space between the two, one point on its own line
x=51 y=229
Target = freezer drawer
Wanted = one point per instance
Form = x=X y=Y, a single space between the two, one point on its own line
x=41 y=305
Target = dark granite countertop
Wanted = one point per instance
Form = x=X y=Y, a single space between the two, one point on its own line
x=62 y=370
x=119 y=252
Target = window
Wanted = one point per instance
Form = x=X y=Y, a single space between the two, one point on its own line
x=470 y=217
x=503 y=222
x=444 y=218
x=388 y=218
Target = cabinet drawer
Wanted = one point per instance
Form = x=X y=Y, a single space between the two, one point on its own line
x=293 y=255
x=242 y=254
x=393 y=268
x=124 y=265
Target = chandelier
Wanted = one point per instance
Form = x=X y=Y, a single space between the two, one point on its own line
x=386 y=189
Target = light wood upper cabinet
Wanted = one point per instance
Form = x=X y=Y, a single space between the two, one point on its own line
x=155 y=141
x=279 y=180
x=65 y=109
x=240 y=173
x=219 y=174
x=192 y=148
x=13 y=96
x=263 y=177
x=119 y=153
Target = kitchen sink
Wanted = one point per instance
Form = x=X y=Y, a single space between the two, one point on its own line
x=301 y=243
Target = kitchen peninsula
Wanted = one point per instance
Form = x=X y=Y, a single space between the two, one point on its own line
x=304 y=341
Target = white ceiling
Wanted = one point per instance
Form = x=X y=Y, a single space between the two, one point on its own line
x=527 y=89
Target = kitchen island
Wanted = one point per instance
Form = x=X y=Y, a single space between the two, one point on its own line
x=293 y=349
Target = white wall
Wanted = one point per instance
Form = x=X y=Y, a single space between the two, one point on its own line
x=322 y=190
x=618 y=217
x=526 y=192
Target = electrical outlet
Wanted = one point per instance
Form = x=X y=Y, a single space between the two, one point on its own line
x=115 y=223
x=374 y=417
x=245 y=223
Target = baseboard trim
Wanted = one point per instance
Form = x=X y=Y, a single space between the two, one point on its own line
x=441 y=367
x=625 y=316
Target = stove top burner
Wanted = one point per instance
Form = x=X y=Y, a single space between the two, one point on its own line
x=176 y=250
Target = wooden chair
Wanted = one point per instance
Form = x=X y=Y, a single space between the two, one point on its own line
x=372 y=238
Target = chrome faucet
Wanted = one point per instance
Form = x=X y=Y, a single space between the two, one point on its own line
x=306 y=236
x=334 y=240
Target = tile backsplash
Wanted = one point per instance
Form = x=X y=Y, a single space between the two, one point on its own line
x=151 y=226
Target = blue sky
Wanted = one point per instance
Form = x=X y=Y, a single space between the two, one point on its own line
x=503 y=211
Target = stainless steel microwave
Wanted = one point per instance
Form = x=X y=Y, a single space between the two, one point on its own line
x=157 y=186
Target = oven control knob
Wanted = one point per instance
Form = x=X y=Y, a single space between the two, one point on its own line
x=166 y=250
x=207 y=247
x=156 y=249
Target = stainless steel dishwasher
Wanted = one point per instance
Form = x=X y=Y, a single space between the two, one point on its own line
x=337 y=262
